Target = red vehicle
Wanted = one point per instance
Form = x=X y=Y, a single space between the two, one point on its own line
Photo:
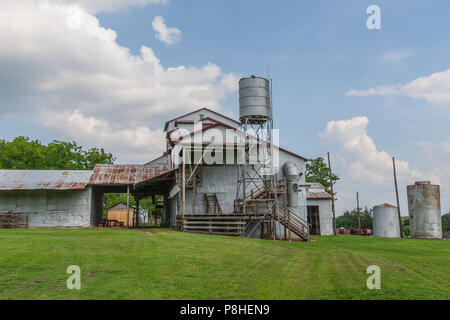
x=342 y=231
x=361 y=232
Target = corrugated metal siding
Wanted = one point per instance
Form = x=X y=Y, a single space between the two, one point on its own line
x=44 y=179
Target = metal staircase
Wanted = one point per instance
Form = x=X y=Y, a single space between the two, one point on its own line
x=260 y=203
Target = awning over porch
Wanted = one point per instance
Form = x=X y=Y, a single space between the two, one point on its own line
x=158 y=185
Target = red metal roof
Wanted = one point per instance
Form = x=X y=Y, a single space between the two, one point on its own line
x=316 y=191
x=124 y=174
x=318 y=196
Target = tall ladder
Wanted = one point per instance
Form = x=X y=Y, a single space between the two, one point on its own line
x=212 y=204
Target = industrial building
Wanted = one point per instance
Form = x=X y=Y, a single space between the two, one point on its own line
x=238 y=197
x=260 y=193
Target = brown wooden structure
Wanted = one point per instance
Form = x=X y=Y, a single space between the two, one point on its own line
x=13 y=220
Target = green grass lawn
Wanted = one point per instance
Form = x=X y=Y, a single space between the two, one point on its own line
x=131 y=264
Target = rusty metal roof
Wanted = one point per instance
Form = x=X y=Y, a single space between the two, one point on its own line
x=318 y=196
x=44 y=179
x=316 y=191
x=124 y=174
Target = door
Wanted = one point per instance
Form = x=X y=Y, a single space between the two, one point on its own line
x=314 y=219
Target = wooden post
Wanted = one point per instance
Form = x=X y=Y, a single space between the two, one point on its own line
x=194 y=191
x=137 y=212
x=128 y=206
x=244 y=200
x=183 y=203
x=357 y=209
x=332 y=194
x=155 y=210
x=398 y=201
x=178 y=180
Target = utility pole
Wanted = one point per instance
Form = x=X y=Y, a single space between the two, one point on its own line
x=398 y=201
x=332 y=194
x=357 y=209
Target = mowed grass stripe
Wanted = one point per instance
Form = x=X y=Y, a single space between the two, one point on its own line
x=162 y=264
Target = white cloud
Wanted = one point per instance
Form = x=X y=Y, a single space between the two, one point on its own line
x=165 y=34
x=438 y=155
x=134 y=144
x=95 y=6
x=57 y=57
x=396 y=56
x=434 y=88
x=381 y=90
x=362 y=166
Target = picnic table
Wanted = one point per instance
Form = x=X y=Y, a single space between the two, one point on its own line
x=106 y=223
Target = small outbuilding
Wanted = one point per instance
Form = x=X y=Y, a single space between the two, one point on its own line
x=119 y=212
x=320 y=215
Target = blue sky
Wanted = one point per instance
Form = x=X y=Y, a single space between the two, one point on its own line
x=316 y=51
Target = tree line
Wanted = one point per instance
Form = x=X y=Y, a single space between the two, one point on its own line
x=26 y=154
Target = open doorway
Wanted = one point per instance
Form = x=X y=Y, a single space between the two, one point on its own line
x=314 y=219
x=123 y=209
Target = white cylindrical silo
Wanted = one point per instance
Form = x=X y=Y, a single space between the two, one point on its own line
x=424 y=204
x=385 y=221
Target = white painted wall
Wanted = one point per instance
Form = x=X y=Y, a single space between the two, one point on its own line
x=325 y=216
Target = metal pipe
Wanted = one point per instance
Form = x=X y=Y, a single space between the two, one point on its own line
x=292 y=177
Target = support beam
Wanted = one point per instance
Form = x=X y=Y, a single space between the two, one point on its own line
x=136 y=213
x=194 y=192
x=128 y=206
x=183 y=203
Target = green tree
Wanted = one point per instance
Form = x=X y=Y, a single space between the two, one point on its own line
x=318 y=171
x=407 y=230
x=23 y=153
x=446 y=224
x=349 y=219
